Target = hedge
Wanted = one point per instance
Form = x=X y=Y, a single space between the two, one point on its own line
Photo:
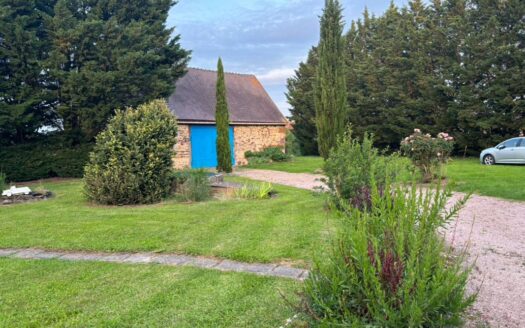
x=42 y=159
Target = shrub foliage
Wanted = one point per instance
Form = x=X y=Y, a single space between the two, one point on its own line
x=192 y=185
x=132 y=159
x=292 y=144
x=351 y=168
x=389 y=268
x=267 y=155
x=427 y=153
x=3 y=182
x=46 y=157
x=254 y=191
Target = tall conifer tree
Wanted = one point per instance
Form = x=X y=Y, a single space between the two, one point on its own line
x=330 y=86
x=26 y=100
x=111 y=54
x=491 y=102
x=300 y=96
x=222 y=120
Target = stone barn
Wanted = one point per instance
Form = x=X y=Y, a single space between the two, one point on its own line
x=255 y=121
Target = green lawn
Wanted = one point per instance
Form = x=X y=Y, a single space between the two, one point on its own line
x=299 y=164
x=504 y=181
x=290 y=227
x=55 y=293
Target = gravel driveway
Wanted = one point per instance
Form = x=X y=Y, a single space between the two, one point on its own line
x=493 y=229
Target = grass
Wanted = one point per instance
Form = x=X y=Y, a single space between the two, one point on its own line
x=299 y=164
x=467 y=175
x=55 y=293
x=291 y=227
x=503 y=181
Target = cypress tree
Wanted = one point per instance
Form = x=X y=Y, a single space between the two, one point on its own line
x=224 y=156
x=330 y=85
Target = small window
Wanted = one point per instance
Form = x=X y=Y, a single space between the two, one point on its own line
x=522 y=144
x=511 y=143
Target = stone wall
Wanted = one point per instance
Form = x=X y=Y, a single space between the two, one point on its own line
x=256 y=138
x=247 y=137
x=182 y=157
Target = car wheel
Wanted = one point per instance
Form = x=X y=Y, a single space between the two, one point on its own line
x=489 y=160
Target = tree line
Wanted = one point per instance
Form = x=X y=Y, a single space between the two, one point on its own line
x=68 y=64
x=450 y=65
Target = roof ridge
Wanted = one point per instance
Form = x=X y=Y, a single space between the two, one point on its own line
x=214 y=71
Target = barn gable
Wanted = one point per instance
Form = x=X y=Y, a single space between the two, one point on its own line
x=256 y=122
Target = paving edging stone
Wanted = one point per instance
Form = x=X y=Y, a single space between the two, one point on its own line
x=262 y=269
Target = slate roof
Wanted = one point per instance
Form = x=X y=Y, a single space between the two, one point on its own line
x=248 y=103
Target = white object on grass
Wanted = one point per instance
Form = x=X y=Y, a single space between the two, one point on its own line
x=13 y=191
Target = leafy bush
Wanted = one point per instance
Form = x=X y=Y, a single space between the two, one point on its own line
x=177 y=179
x=43 y=158
x=388 y=267
x=292 y=144
x=427 y=153
x=131 y=161
x=267 y=155
x=254 y=191
x=194 y=185
x=3 y=182
x=351 y=167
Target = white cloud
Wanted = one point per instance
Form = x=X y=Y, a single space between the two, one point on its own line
x=276 y=76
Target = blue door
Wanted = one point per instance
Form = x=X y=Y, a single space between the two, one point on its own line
x=204 y=146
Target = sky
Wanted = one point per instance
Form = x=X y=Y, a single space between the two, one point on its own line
x=268 y=38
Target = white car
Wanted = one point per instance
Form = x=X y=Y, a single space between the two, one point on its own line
x=510 y=151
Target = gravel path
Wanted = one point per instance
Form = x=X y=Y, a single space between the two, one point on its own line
x=298 y=180
x=492 y=229
x=272 y=270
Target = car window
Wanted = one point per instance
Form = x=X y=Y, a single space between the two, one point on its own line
x=511 y=143
x=522 y=144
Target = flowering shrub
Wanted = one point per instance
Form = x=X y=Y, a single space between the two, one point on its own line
x=428 y=153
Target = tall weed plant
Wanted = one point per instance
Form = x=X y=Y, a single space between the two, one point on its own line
x=388 y=266
x=351 y=167
x=196 y=186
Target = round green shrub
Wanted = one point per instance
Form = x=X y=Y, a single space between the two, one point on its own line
x=132 y=159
